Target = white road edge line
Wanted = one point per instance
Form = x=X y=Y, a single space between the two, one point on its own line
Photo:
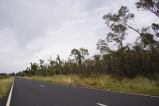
x=10 y=95
x=108 y=90
x=101 y=104
x=42 y=86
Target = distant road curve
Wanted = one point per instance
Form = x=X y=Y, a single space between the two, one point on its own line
x=34 y=93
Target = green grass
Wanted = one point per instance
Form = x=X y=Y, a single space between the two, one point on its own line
x=4 y=86
x=139 y=84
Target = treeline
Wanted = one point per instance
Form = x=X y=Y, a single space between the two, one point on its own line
x=125 y=60
x=4 y=75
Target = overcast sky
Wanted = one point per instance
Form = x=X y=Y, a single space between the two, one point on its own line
x=37 y=29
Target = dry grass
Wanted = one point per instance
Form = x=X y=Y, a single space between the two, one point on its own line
x=4 y=86
x=139 y=84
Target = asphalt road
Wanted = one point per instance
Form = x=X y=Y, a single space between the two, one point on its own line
x=35 y=93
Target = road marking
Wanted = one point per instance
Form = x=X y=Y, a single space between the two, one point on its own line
x=109 y=90
x=43 y=86
x=69 y=80
x=101 y=104
x=10 y=95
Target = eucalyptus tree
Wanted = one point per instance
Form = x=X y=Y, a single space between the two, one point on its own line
x=41 y=61
x=118 y=25
x=84 y=52
x=150 y=5
x=97 y=57
x=34 y=68
x=79 y=54
x=59 y=64
x=153 y=7
x=51 y=66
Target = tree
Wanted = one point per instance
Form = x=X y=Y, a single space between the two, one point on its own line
x=58 y=60
x=153 y=7
x=103 y=46
x=51 y=66
x=83 y=52
x=117 y=22
x=59 y=64
x=34 y=68
x=116 y=59
x=80 y=54
x=77 y=55
x=150 y=5
x=96 y=57
x=41 y=63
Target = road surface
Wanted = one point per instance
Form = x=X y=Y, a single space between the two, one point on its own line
x=35 y=93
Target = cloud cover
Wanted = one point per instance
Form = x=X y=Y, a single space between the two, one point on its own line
x=35 y=29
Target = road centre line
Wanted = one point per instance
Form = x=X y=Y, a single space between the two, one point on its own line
x=43 y=86
x=101 y=104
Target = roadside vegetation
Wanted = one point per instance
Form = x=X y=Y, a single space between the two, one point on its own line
x=5 y=84
x=131 y=66
x=138 y=84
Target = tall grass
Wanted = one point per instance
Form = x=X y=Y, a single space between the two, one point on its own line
x=4 y=86
x=139 y=84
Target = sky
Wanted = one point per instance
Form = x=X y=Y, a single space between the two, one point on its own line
x=39 y=29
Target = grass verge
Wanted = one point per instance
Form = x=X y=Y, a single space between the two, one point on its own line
x=140 y=85
x=4 y=86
